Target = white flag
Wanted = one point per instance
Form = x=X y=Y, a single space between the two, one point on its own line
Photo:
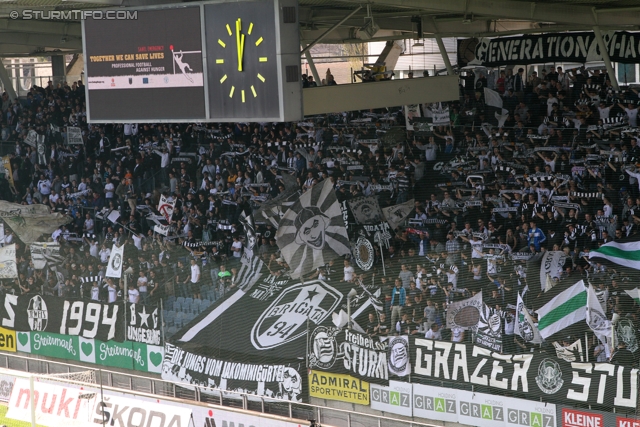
x=570 y=353
x=525 y=326
x=114 y=267
x=165 y=207
x=8 y=265
x=596 y=317
x=492 y=98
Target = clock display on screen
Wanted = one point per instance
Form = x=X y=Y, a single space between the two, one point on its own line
x=242 y=61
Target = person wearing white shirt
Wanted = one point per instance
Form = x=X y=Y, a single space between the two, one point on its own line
x=236 y=247
x=104 y=254
x=349 y=271
x=133 y=294
x=54 y=197
x=112 y=291
x=434 y=332
x=632 y=114
x=95 y=292
x=109 y=189
x=93 y=249
x=137 y=241
x=44 y=186
x=195 y=278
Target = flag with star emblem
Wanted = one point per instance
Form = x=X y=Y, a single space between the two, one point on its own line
x=143 y=323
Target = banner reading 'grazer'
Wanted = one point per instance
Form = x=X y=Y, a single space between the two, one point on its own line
x=545 y=48
x=538 y=376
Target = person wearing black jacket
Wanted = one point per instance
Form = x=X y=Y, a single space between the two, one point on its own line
x=622 y=356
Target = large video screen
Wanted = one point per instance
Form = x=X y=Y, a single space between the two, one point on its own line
x=149 y=68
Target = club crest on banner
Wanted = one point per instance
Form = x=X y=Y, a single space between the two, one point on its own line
x=549 y=377
x=324 y=348
x=363 y=253
x=38 y=314
x=399 y=356
x=526 y=328
x=625 y=332
x=285 y=320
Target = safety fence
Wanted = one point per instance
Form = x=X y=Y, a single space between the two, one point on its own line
x=243 y=406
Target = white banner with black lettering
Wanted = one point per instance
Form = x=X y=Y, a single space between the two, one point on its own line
x=279 y=381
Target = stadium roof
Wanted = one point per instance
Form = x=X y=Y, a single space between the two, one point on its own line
x=396 y=19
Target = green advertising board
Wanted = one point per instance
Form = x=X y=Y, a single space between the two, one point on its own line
x=126 y=355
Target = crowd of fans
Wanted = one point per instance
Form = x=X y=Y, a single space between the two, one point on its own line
x=556 y=172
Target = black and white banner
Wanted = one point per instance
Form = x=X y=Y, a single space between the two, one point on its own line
x=366 y=210
x=489 y=329
x=280 y=381
x=579 y=47
x=116 y=258
x=144 y=324
x=45 y=253
x=363 y=253
x=536 y=375
x=399 y=363
x=84 y=318
x=345 y=351
x=465 y=314
x=74 y=136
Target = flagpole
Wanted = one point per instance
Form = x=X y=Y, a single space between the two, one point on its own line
x=586 y=349
x=384 y=270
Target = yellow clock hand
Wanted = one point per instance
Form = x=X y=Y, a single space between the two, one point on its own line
x=239 y=43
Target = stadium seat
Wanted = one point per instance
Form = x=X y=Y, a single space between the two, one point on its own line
x=186 y=307
x=188 y=301
x=177 y=306
x=188 y=317
x=170 y=318
x=204 y=305
x=179 y=321
x=211 y=295
x=203 y=290
x=169 y=301
x=171 y=331
x=180 y=300
x=195 y=307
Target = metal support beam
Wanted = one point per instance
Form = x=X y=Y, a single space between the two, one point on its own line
x=445 y=56
x=606 y=58
x=58 y=69
x=312 y=65
x=326 y=33
x=6 y=82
